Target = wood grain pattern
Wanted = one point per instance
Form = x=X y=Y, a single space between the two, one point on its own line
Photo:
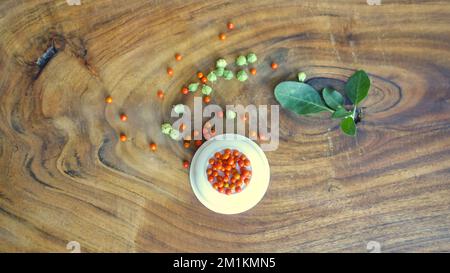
x=64 y=176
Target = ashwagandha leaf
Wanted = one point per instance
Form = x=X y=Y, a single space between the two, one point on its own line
x=333 y=98
x=357 y=86
x=341 y=113
x=348 y=126
x=300 y=98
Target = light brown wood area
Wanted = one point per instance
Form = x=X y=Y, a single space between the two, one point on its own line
x=65 y=176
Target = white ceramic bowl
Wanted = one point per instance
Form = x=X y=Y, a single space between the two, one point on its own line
x=234 y=203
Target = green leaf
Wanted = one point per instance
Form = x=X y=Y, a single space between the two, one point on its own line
x=348 y=126
x=300 y=98
x=357 y=86
x=333 y=98
x=341 y=113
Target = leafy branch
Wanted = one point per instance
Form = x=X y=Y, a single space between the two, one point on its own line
x=303 y=99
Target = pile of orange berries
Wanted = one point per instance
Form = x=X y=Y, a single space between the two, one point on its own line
x=229 y=171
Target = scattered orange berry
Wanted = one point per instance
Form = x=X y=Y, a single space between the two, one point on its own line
x=253 y=71
x=184 y=91
x=187 y=144
x=182 y=127
x=170 y=71
x=230 y=25
x=274 y=66
x=206 y=99
x=262 y=137
x=222 y=36
x=153 y=146
x=123 y=117
x=186 y=164
x=123 y=137
x=160 y=94
x=204 y=80
x=200 y=75
x=108 y=100
x=198 y=143
x=178 y=57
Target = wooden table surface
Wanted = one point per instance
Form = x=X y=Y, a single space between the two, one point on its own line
x=64 y=176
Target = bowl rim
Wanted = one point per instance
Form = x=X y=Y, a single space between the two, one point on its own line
x=260 y=192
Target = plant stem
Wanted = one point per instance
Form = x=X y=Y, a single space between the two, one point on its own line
x=354 y=112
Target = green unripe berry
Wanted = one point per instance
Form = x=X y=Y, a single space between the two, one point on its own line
x=301 y=76
x=179 y=108
x=206 y=90
x=230 y=114
x=212 y=76
x=241 y=60
x=242 y=76
x=219 y=71
x=166 y=128
x=228 y=74
x=175 y=134
x=193 y=87
x=221 y=63
x=251 y=58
